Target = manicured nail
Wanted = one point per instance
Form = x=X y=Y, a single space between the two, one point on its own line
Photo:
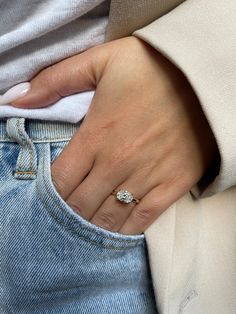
x=14 y=93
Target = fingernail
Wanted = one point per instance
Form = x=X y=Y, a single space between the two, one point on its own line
x=14 y=93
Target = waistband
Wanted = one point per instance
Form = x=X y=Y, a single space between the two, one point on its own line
x=41 y=131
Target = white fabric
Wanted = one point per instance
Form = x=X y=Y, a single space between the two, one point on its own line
x=36 y=34
x=70 y=109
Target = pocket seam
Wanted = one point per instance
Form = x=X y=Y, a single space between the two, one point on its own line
x=127 y=243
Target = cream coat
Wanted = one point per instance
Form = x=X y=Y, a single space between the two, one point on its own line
x=192 y=246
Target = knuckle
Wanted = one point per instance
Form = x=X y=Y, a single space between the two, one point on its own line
x=188 y=180
x=58 y=179
x=75 y=207
x=82 y=195
x=182 y=181
x=143 y=214
x=59 y=187
x=48 y=76
x=160 y=202
x=105 y=220
x=53 y=79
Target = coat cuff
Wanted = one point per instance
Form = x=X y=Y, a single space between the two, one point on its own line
x=199 y=38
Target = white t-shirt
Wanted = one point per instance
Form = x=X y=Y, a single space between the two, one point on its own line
x=35 y=34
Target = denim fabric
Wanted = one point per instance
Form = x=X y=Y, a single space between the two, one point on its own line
x=51 y=259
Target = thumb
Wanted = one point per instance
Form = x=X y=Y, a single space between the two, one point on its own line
x=75 y=74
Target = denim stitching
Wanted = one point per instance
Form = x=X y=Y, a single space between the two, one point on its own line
x=20 y=170
x=79 y=235
x=56 y=202
x=141 y=242
x=25 y=172
x=38 y=140
x=48 y=139
x=31 y=157
x=20 y=162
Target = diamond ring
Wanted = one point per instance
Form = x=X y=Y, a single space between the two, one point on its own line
x=125 y=197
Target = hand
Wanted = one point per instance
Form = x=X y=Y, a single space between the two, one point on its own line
x=144 y=132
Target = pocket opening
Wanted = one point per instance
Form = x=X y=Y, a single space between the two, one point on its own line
x=67 y=217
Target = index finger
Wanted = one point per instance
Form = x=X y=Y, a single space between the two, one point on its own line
x=75 y=74
x=72 y=165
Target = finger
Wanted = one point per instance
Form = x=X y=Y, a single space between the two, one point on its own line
x=150 y=208
x=94 y=189
x=104 y=209
x=112 y=213
x=72 y=165
x=72 y=75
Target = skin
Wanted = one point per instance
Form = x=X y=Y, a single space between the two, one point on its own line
x=144 y=132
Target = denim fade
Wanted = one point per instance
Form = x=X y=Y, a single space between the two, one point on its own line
x=51 y=259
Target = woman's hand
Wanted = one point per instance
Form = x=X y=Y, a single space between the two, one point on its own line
x=144 y=132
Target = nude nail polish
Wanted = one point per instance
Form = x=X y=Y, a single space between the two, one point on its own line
x=14 y=93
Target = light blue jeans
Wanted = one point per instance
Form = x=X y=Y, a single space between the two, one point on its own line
x=51 y=259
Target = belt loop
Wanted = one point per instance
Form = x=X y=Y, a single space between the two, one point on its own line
x=26 y=167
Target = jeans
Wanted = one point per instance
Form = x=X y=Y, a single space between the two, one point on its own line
x=51 y=259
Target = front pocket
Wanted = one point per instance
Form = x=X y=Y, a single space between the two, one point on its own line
x=67 y=217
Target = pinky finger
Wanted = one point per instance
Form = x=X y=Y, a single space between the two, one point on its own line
x=152 y=205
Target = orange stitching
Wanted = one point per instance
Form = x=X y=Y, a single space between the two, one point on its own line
x=25 y=172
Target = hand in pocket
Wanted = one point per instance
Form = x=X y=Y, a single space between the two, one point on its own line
x=144 y=133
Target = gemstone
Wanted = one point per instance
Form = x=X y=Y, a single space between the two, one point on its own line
x=124 y=196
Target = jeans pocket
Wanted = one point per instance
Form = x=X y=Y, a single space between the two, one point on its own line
x=67 y=217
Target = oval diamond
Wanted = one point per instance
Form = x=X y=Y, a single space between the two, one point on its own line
x=124 y=196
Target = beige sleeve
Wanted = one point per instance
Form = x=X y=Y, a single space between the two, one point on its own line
x=199 y=37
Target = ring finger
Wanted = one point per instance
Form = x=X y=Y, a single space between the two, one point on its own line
x=112 y=214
